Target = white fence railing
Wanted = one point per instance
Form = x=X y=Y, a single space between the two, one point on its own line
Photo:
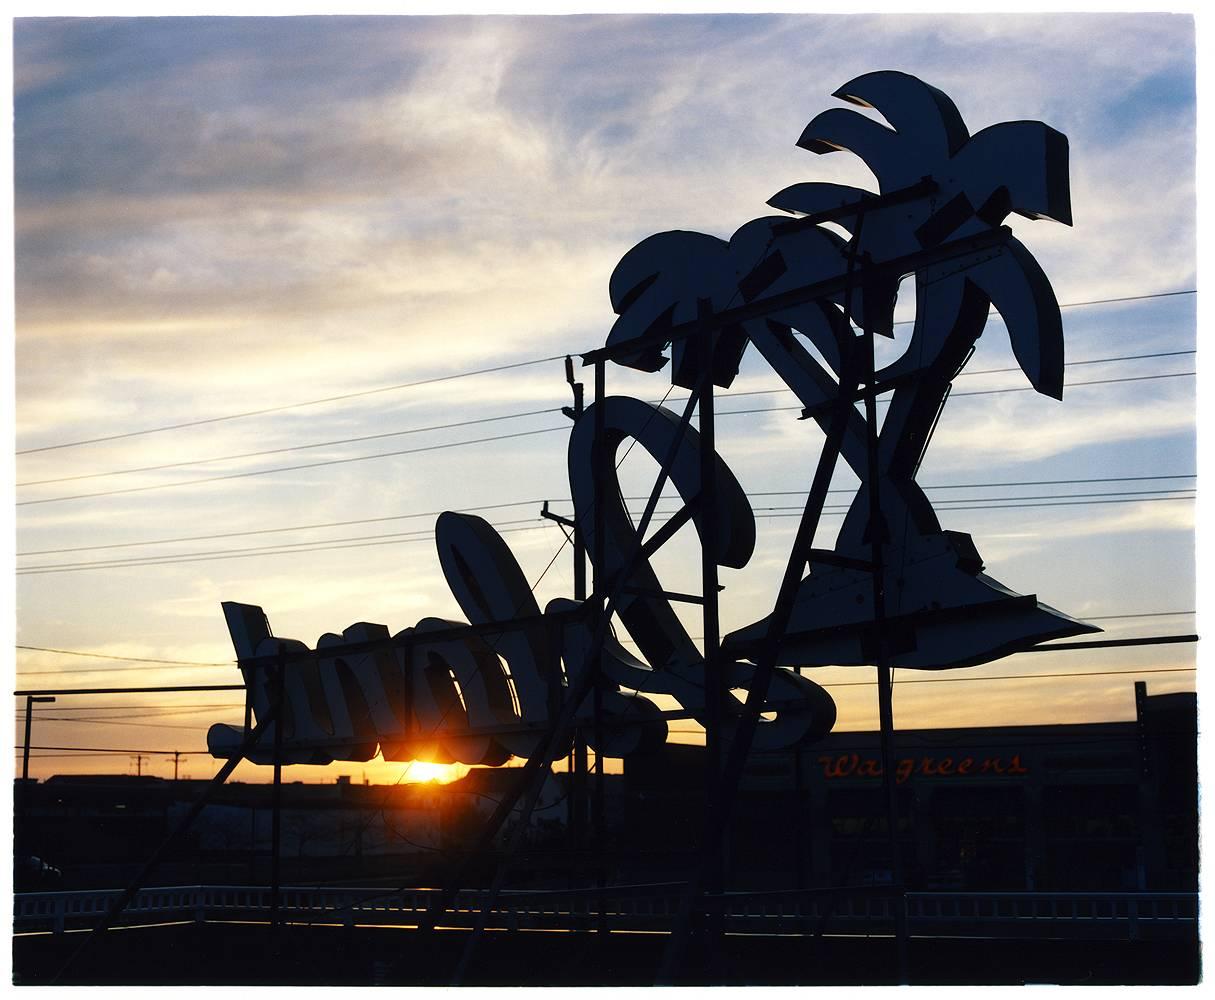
x=643 y=907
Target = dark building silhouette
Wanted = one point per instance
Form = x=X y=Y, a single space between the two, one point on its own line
x=1106 y=806
x=1109 y=806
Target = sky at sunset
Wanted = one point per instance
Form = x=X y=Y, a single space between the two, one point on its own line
x=216 y=216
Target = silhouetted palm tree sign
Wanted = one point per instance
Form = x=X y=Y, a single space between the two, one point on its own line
x=973 y=183
x=439 y=690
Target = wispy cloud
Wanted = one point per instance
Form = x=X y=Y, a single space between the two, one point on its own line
x=215 y=215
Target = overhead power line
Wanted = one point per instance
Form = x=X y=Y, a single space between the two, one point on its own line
x=296 y=468
x=169 y=709
x=1129 y=298
x=295 y=406
x=988 y=505
x=1096 y=302
x=502 y=437
x=298 y=527
x=158 y=561
x=371 y=541
x=75 y=720
x=185 y=463
x=1087 y=618
x=294 y=447
x=158 y=689
x=110 y=750
x=145 y=711
x=128 y=659
x=528 y=503
x=1052 y=482
x=421 y=534
x=74 y=672
x=903 y=679
x=425 y=535
x=459 y=375
x=1142 y=614
x=1074 y=385
x=901 y=682
x=1088 y=361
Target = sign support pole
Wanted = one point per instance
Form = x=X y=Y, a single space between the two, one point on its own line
x=877 y=535
x=601 y=458
x=715 y=693
x=577 y=789
x=276 y=815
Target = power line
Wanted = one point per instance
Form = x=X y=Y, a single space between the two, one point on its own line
x=1032 y=677
x=111 y=750
x=404 y=538
x=977 y=392
x=1087 y=618
x=73 y=672
x=829 y=684
x=128 y=659
x=294 y=468
x=1094 y=302
x=75 y=756
x=145 y=710
x=397 y=539
x=486 y=420
x=824 y=683
x=170 y=560
x=990 y=505
x=1145 y=614
x=999 y=503
x=1089 y=361
x=1053 y=482
x=527 y=503
x=1074 y=385
x=119 y=721
x=163 y=688
x=285 y=547
x=459 y=375
x=298 y=527
x=170 y=709
x=294 y=406
x=297 y=447
x=1129 y=298
x=504 y=437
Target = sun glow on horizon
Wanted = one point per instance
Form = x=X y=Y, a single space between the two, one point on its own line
x=425 y=770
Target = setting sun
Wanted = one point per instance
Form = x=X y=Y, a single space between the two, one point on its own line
x=424 y=770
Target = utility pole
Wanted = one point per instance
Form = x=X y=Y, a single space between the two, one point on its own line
x=601 y=588
x=277 y=795
x=577 y=810
x=878 y=536
x=30 y=701
x=715 y=854
x=176 y=757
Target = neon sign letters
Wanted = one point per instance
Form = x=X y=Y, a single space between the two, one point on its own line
x=480 y=695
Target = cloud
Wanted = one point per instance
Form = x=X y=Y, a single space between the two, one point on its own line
x=218 y=215
x=1018 y=428
x=223 y=195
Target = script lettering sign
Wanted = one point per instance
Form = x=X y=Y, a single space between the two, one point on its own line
x=436 y=692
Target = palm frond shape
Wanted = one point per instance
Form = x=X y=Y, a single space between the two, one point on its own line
x=1013 y=167
x=668 y=279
